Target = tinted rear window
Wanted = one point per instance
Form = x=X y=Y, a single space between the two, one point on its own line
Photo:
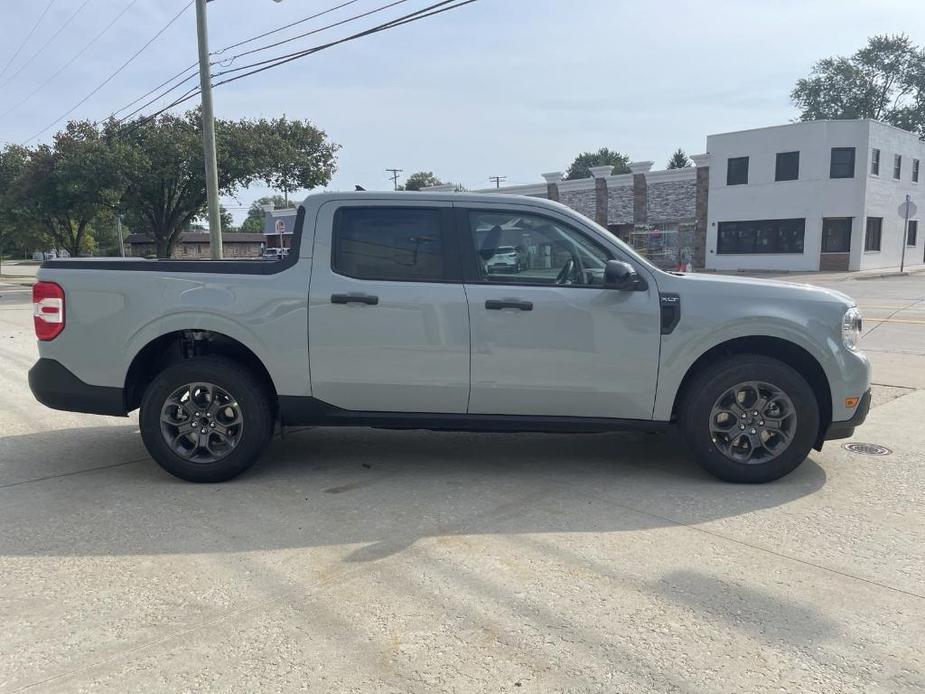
x=397 y=243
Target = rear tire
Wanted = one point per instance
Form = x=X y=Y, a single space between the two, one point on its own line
x=206 y=419
x=728 y=439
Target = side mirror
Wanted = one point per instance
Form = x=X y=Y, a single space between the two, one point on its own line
x=621 y=276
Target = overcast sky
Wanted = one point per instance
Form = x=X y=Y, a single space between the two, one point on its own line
x=500 y=87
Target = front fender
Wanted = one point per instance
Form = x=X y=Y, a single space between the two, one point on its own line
x=682 y=348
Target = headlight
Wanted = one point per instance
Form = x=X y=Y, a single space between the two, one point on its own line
x=851 y=328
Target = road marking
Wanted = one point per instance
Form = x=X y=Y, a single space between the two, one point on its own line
x=894 y=320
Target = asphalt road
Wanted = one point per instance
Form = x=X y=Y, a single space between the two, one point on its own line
x=357 y=560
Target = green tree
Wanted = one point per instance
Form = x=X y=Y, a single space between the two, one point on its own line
x=679 y=160
x=227 y=220
x=256 y=214
x=65 y=186
x=164 y=172
x=581 y=167
x=885 y=81
x=421 y=179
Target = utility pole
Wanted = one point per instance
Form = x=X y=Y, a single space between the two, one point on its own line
x=498 y=180
x=119 y=234
x=208 y=132
x=394 y=177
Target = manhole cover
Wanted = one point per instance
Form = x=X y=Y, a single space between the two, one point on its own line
x=866 y=448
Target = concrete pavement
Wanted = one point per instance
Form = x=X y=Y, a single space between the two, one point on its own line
x=360 y=560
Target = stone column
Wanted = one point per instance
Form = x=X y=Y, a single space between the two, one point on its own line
x=640 y=190
x=702 y=162
x=552 y=184
x=600 y=173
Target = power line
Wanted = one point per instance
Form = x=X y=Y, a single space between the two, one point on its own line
x=497 y=180
x=228 y=61
x=280 y=60
x=27 y=37
x=46 y=44
x=394 y=176
x=71 y=61
x=191 y=75
x=284 y=27
x=289 y=57
x=113 y=75
x=221 y=50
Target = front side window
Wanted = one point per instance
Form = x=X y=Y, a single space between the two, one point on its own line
x=760 y=236
x=912 y=237
x=836 y=235
x=875 y=161
x=737 y=171
x=516 y=248
x=915 y=170
x=787 y=167
x=874 y=231
x=389 y=243
x=897 y=166
x=842 y=163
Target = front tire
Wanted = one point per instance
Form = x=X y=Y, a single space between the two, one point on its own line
x=206 y=419
x=750 y=419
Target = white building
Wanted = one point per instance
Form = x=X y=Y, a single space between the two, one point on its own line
x=821 y=195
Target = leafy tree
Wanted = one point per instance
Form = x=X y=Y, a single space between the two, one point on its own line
x=256 y=214
x=164 y=172
x=679 y=160
x=65 y=186
x=885 y=81
x=227 y=220
x=581 y=167
x=421 y=179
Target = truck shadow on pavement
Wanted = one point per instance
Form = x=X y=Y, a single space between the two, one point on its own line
x=93 y=491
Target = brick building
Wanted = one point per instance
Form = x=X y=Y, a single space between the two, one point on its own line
x=663 y=214
x=195 y=244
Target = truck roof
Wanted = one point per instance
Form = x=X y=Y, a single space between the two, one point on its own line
x=317 y=199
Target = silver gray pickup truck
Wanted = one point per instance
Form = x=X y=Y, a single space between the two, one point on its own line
x=451 y=312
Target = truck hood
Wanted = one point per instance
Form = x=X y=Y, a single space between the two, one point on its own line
x=749 y=286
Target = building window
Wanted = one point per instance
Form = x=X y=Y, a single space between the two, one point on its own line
x=760 y=236
x=836 y=235
x=874 y=230
x=788 y=166
x=737 y=171
x=912 y=237
x=897 y=166
x=875 y=161
x=842 y=163
x=389 y=243
x=915 y=170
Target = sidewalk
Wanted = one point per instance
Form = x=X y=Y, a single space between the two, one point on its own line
x=822 y=276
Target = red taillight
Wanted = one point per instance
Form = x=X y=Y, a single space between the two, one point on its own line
x=47 y=310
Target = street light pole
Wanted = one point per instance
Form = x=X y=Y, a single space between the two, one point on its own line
x=208 y=133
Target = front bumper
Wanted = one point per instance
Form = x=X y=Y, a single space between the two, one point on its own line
x=844 y=430
x=56 y=387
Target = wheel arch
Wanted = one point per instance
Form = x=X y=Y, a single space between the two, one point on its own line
x=790 y=353
x=172 y=347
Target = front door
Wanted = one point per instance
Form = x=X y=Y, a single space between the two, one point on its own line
x=547 y=338
x=388 y=321
x=835 y=253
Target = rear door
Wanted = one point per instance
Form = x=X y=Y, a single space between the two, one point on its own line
x=547 y=338
x=388 y=320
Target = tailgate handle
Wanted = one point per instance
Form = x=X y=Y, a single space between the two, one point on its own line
x=498 y=304
x=354 y=299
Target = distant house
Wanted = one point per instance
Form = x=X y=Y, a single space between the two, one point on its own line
x=196 y=245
